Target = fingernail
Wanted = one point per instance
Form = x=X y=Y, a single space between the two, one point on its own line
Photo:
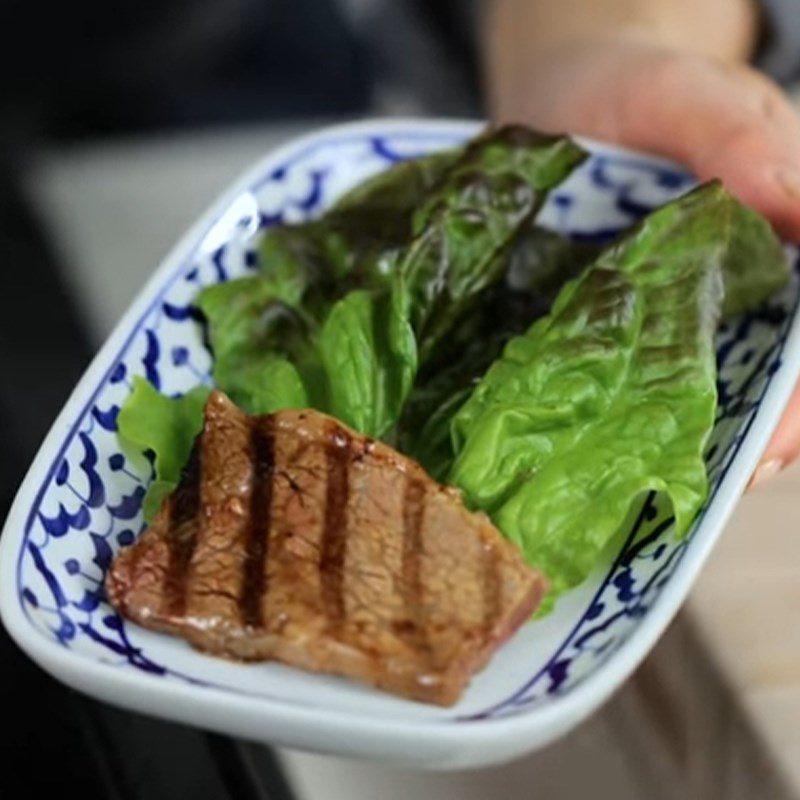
x=764 y=471
x=789 y=180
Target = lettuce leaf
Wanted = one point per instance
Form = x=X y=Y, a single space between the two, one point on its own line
x=344 y=249
x=252 y=322
x=427 y=240
x=539 y=263
x=613 y=393
x=466 y=225
x=167 y=426
x=369 y=356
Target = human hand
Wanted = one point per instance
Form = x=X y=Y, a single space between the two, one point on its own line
x=722 y=120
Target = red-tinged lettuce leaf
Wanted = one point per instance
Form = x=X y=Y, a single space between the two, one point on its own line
x=465 y=227
x=433 y=232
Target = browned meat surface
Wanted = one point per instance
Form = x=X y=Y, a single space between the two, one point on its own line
x=291 y=537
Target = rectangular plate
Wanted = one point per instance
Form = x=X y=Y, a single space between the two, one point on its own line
x=81 y=498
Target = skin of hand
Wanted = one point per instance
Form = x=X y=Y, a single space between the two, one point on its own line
x=634 y=82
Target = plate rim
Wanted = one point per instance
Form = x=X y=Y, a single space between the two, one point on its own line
x=497 y=738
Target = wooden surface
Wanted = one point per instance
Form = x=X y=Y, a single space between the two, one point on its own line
x=715 y=710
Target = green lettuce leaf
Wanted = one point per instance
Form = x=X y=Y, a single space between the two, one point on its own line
x=613 y=393
x=253 y=322
x=149 y=420
x=369 y=356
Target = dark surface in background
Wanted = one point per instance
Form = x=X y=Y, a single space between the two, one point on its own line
x=93 y=68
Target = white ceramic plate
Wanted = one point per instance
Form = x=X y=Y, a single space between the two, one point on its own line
x=81 y=498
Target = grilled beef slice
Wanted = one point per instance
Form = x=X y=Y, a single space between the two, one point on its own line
x=294 y=538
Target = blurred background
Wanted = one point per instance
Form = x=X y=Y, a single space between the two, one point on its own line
x=119 y=123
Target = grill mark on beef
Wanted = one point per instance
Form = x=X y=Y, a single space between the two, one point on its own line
x=411 y=578
x=254 y=581
x=334 y=530
x=184 y=508
x=492 y=600
x=406 y=649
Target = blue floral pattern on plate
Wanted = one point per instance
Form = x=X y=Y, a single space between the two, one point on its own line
x=88 y=505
